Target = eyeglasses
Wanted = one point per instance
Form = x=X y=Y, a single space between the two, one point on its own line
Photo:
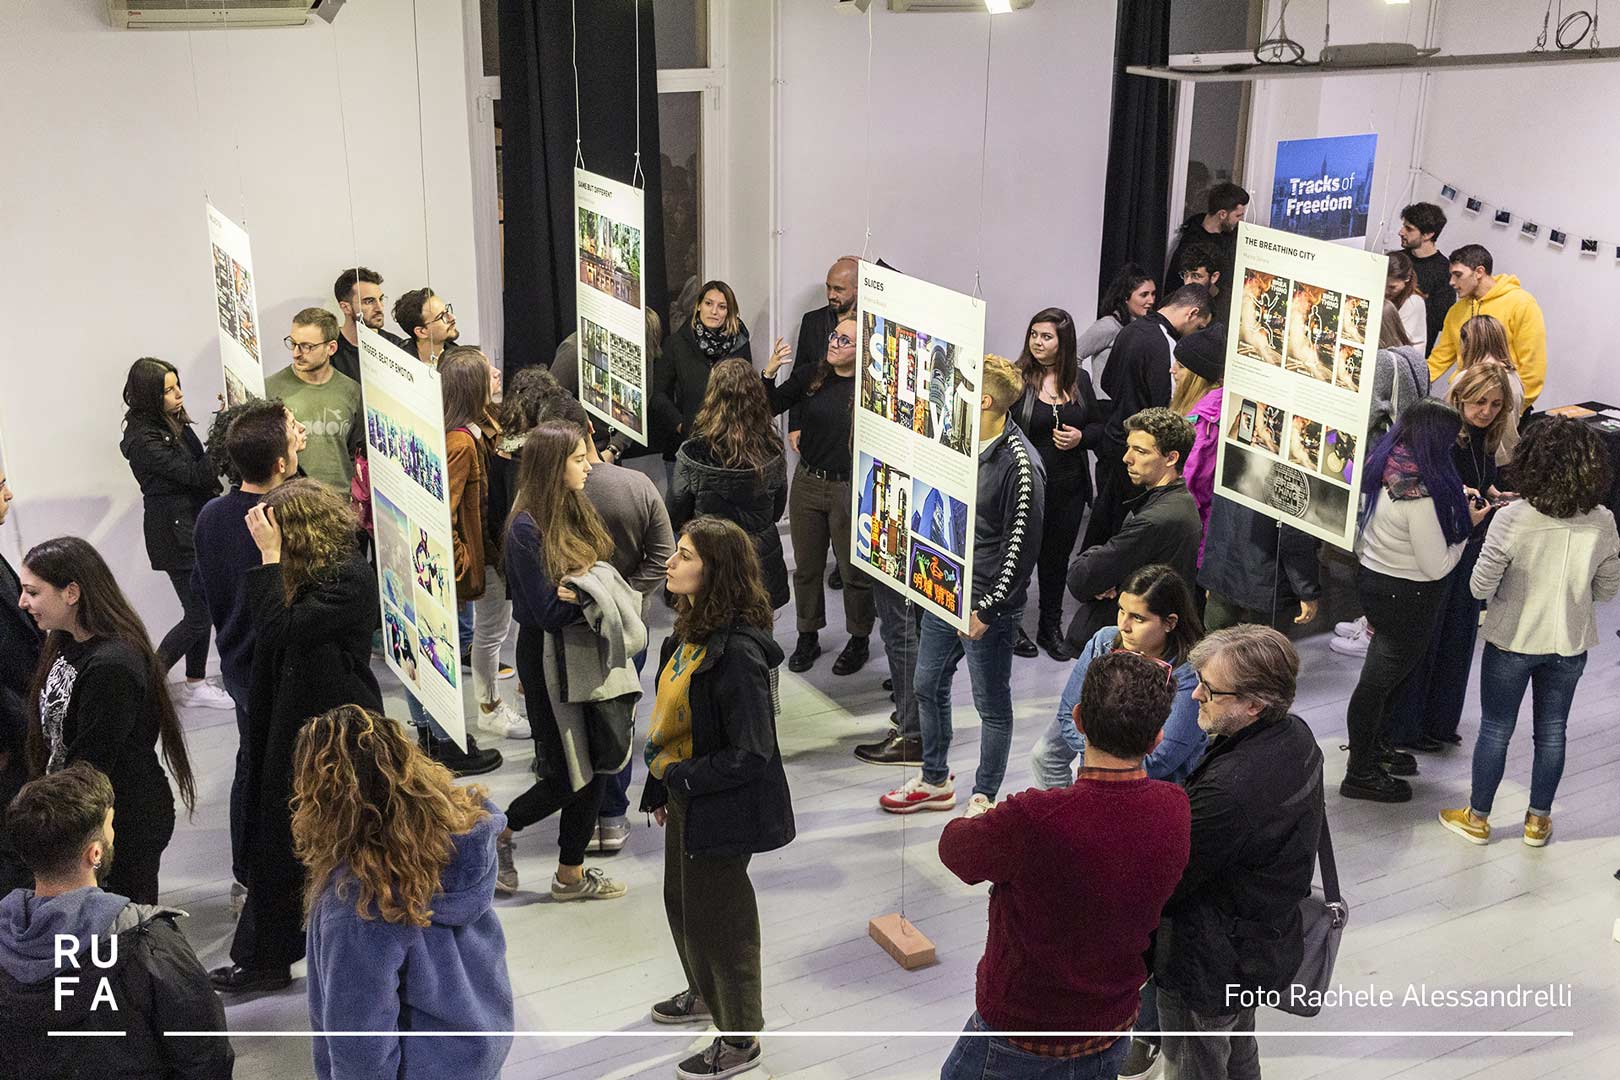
x=303 y=348
x=840 y=341
x=1212 y=692
x=444 y=316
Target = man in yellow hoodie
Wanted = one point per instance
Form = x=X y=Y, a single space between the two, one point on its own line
x=1500 y=296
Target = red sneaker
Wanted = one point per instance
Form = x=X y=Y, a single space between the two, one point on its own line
x=918 y=794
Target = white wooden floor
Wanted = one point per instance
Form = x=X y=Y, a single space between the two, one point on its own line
x=1427 y=907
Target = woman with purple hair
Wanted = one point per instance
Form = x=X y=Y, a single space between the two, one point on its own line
x=1415 y=519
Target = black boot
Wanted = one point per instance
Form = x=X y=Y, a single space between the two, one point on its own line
x=1375 y=786
x=469 y=762
x=232 y=979
x=854 y=656
x=1396 y=762
x=1023 y=646
x=804 y=653
x=1050 y=638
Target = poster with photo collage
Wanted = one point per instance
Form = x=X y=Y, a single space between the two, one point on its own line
x=410 y=512
x=917 y=396
x=609 y=294
x=238 y=309
x=1301 y=352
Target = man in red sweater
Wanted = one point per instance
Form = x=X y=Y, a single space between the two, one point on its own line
x=1079 y=876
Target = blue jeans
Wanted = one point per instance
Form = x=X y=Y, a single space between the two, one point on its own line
x=898 y=628
x=981 y=1057
x=939 y=649
x=616 y=792
x=1503 y=677
x=238 y=812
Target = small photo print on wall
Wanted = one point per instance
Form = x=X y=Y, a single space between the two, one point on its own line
x=1557 y=237
x=1589 y=247
x=1530 y=229
x=1474 y=206
x=1503 y=217
x=1448 y=193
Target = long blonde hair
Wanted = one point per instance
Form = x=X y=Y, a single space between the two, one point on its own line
x=374 y=813
x=318 y=529
x=1190 y=390
x=572 y=536
x=1471 y=385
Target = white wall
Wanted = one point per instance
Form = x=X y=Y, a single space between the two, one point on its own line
x=1538 y=141
x=108 y=158
x=1047 y=149
x=746 y=173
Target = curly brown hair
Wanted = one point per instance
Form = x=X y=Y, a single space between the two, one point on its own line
x=318 y=528
x=374 y=813
x=733 y=590
x=1124 y=702
x=1562 y=467
x=735 y=418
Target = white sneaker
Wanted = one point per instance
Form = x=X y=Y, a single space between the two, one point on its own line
x=977 y=805
x=1350 y=629
x=201 y=695
x=918 y=794
x=503 y=722
x=1351 y=646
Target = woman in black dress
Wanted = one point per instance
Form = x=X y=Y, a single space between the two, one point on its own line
x=314 y=604
x=1060 y=414
x=98 y=696
x=176 y=478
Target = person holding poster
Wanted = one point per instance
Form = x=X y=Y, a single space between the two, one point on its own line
x=822 y=395
x=1007 y=527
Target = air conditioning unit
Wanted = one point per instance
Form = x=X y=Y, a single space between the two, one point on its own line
x=211 y=14
x=993 y=6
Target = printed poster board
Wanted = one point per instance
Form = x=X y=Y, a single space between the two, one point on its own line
x=410 y=510
x=916 y=477
x=239 y=344
x=1300 y=358
x=608 y=298
x=1322 y=188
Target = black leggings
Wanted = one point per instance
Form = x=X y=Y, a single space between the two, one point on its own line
x=1402 y=614
x=1065 y=506
x=551 y=790
x=189 y=636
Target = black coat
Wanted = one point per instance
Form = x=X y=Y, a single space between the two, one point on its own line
x=1243 y=552
x=734 y=787
x=680 y=376
x=309 y=657
x=20 y=643
x=1137 y=376
x=1162 y=527
x=176 y=478
x=1257 y=814
x=704 y=486
x=157 y=985
x=1066 y=470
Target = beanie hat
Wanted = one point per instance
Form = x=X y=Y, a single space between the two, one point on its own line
x=1204 y=353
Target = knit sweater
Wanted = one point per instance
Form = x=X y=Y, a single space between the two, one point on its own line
x=1080 y=875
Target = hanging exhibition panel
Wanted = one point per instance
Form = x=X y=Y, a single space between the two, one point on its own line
x=917 y=397
x=1322 y=188
x=608 y=297
x=1300 y=358
x=410 y=510
x=239 y=344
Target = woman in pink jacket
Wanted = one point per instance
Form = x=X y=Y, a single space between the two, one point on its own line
x=1199 y=368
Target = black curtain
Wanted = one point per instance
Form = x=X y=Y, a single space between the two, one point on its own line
x=1139 y=151
x=537 y=148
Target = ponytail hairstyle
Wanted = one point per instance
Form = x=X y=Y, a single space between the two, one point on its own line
x=103 y=611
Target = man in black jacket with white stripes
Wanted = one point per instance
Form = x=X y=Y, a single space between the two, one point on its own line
x=1006 y=544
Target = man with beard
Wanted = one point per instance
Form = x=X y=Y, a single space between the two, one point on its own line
x=359 y=296
x=63 y=824
x=1216 y=227
x=1420 y=228
x=429 y=324
x=815 y=327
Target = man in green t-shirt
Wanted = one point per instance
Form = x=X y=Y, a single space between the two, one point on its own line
x=322 y=398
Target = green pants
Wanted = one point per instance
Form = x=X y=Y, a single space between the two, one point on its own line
x=715 y=923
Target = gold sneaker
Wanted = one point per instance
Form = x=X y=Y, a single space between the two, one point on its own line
x=1463 y=822
x=1537 y=830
